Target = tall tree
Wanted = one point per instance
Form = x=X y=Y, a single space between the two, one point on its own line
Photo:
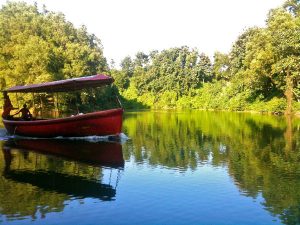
x=221 y=66
x=285 y=32
x=127 y=70
x=141 y=59
x=238 y=51
x=205 y=68
x=42 y=46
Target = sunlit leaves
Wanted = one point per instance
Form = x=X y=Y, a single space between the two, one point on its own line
x=42 y=46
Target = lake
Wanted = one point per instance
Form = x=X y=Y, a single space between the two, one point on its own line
x=190 y=167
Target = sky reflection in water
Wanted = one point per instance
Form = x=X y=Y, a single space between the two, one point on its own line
x=176 y=168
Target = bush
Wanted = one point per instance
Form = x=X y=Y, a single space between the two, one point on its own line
x=167 y=100
x=276 y=105
x=185 y=102
x=296 y=106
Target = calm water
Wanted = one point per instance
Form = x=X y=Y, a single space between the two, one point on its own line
x=176 y=168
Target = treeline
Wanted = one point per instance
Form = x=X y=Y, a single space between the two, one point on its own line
x=40 y=46
x=261 y=72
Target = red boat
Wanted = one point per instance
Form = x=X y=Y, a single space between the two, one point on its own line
x=101 y=123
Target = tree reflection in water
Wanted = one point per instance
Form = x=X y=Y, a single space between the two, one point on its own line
x=262 y=152
x=40 y=176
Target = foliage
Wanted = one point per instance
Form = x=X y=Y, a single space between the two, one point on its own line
x=261 y=69
x=42 y=46
x=160 y=79
x=221 y=66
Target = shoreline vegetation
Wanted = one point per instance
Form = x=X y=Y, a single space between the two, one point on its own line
x=260 y=73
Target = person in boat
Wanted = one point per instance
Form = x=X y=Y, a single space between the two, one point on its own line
x=7 y=107
x=26 y=115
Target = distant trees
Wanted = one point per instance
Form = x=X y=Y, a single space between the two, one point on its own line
x=261 y=71
x=221 y=66
x=164 y=76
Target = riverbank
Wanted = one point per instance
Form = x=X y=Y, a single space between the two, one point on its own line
x=274 y=107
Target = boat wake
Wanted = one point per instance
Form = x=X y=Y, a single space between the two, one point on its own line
x=121 y=138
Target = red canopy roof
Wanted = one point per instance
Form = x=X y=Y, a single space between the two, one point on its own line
x=65 y=85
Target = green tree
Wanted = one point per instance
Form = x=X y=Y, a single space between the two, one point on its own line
x=221 y=66
x=293 y=7
x=272 y=57
x=141 y=60
x=42 y=46
x=285 y=31
x=205 y=68
x=127 y=69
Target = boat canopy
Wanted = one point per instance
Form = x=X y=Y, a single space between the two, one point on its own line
x=72 y=84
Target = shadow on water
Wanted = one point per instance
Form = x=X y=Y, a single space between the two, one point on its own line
x=46 y=173
x=60 y=183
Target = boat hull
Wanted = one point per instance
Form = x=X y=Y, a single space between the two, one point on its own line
x=101 y=123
